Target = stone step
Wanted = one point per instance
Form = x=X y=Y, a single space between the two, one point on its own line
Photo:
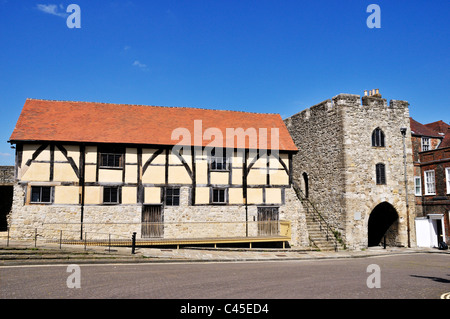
x=318 y=234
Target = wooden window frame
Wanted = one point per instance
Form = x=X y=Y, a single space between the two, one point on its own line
x=118 y=195
x=41 y=195
x=118 y=154
x=428 y=189
x=425 y=145
x=447 y=179
x=222 y=160
x=417 y=185
x=172 y=196
x=225 y=195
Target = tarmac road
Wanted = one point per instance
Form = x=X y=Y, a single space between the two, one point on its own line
x=414 y=276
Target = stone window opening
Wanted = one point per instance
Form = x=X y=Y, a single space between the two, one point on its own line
x=380 y=171
x=306 y=182
x=378 y=138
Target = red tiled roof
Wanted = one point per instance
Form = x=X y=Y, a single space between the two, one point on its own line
x=64 y=121
x=438 y=126
x=446 y=141
x=422 y=130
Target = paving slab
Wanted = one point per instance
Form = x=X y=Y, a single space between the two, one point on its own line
x=27 y=252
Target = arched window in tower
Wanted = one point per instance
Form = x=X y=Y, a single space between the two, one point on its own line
x=378 y=137
x=305 y=180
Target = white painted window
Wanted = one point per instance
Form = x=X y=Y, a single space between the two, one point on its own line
x=417 y=186
x=447 y=176
x=429 y=183
x=425 y=144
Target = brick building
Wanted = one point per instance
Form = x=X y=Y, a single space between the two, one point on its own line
x=431 y=156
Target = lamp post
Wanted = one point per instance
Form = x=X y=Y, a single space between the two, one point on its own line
x=403 y=131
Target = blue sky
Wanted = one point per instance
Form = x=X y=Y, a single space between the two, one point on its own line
x=256 y=56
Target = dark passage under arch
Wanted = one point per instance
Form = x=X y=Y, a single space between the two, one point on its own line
x=6 y=198
x=382 y=221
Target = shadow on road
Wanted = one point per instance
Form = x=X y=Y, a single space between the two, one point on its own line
x=437 y=279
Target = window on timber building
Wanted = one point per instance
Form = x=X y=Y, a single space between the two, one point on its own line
x=378 y=137
x=172 y=196
x=380 y=174
x=41 y=194
x=219 y=196
x=111 y=157
x=111 y=195
x=218 y=160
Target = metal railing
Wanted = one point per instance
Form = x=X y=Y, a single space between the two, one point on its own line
x=317 y=216
x=123 y=234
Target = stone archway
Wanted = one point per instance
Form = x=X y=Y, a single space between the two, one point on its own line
x=383 y=221
x=6 y=198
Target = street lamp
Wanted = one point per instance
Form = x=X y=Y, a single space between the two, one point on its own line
x=403 y=131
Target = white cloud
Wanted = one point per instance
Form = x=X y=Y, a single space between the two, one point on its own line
x=139 y=64
x=5 y=154
x=53 y=9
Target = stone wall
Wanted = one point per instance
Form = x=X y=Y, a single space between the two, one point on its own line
x=6 y=175
x=334 y=139
x=318 y=133
x=120 y=221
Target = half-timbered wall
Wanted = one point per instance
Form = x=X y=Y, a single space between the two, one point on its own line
x=146 y=171
x=79 y=177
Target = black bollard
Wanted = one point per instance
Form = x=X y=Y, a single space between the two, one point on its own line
x=133 y=243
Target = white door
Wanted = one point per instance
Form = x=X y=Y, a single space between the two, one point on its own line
x=423 y=236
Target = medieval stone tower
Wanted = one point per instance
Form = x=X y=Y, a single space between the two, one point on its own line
x=351 y=164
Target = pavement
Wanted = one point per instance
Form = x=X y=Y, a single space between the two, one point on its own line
x=29 y=253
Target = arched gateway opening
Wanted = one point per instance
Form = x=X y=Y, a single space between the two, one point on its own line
x=383 y=221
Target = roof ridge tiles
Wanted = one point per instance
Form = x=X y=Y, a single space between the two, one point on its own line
x=147 y=105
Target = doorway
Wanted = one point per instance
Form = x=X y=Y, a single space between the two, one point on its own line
x=152 y=221
x=268 y=218
x=383 y=225
x=436 y=229
x=6 y=198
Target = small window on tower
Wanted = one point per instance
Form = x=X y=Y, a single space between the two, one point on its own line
x=380 y=174
x=378 y=138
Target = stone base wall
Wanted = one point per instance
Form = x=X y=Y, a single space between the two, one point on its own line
x=120 y=221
